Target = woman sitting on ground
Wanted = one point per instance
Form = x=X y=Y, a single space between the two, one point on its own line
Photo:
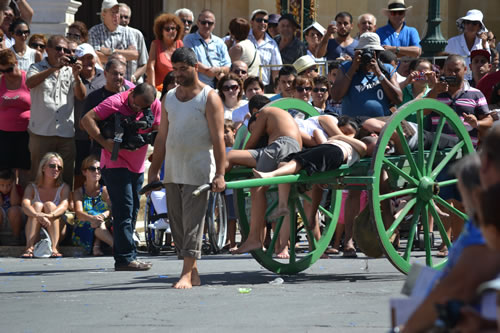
x=92 y=210
x=44 y=202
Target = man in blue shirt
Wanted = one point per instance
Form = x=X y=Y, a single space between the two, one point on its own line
x=343 y=45
x=210 y=50
x=396 y=36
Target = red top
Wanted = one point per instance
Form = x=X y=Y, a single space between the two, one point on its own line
x=15 y=106
x=163 y=65
x=487 y=83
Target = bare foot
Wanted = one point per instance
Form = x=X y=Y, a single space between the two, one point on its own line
x=195 y=278
x=97 y=251
x=278 y=212
x=261 y=174
x=283 y=254
x=184 y=282
x=246 y=247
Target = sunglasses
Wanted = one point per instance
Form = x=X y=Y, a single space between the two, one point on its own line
x=8 y=70
x=261 y=20
x=189 y=22
x=302 y=89
x=239 y=71
x=94 y=169
x=231 y=87
x=55 y=166
x=74 y=36
x=168 y=29
x=397 y=12
x=209 y=23
x=124 y=17
x=37 y=46
x=472 y=22
x=22 y=32
x=322 y=90
x=60 y=48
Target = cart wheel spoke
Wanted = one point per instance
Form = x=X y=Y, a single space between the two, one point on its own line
x=406 y=148
x=413 y=229
x=409 y=205
x=435 y=143
x=399 y=171
x=447 y=182
x=293 y=229
x=312 y=240
x=399 y=193
x=449 y=156
x=439 y=223
x=420 y=152
x=425 y=222
x=452 y=209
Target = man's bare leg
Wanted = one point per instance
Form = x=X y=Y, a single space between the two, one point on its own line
x=257 y=221
x=284 y=236
x=351 y=210
x=189 y=276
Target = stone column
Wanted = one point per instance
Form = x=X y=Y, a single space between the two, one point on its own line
x=53 y=16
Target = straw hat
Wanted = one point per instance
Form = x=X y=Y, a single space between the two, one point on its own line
x=304 y=63
x=396 y=5
x=369 y=40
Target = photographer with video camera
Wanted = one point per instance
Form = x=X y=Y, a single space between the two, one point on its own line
x=122 y=125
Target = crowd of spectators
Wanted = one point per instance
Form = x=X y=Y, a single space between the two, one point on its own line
x=55 y=89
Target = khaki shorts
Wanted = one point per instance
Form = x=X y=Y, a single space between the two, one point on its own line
x=268 y=158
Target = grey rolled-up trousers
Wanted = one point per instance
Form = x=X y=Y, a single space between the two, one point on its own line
x=187 y=218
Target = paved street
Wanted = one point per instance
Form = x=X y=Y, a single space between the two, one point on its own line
x=85 y=294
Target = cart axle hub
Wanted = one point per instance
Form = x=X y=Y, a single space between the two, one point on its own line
x=427 y=188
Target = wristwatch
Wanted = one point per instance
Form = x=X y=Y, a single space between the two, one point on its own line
x=112 y=50
x=381 y=77
x=397 y=49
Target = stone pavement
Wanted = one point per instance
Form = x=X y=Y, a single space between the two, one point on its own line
x=85 y=294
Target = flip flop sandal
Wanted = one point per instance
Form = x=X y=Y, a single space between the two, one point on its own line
x=56 y=255
x=28 y=254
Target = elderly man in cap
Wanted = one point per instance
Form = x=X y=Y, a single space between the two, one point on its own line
x=92 y=78
x=396 y=36
x=211 y=52
x=291 y=48
x=341 y=46
x=267 y=48
x=109 y=36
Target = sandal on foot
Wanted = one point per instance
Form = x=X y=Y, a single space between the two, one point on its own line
x=332 y=251
x=96 y=251
x=55 y=255
x=442 y=254
x=28 y=254
x=350 y=253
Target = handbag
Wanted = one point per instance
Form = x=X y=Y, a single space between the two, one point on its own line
x=43 y=249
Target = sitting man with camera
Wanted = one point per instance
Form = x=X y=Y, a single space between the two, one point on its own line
x=122 y=125
x=367 y=89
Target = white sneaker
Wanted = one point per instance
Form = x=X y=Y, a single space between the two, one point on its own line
x=161 y=224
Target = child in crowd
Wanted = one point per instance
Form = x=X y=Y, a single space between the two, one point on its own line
x=10 y=202
x=92 y=210
x=229 y=133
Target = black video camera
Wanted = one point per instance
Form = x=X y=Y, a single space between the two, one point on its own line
x=448 y=79
x=125 y=129
x=367 y=55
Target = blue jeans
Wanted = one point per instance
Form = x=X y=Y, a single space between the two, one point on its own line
x=123 y=187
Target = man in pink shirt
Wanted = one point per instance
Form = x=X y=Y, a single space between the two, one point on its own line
x=124 y=176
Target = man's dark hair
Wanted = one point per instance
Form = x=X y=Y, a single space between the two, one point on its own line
x=257 y=102
x=250 y=80
x=7 y=174
x=111 y=63
x=287 y=70
x=321 y=80
x=346 y=120
x=147 y=91
x=387 y=57
x=333 y=65
x=185 y=55
x=344 y=14
x=54 y=39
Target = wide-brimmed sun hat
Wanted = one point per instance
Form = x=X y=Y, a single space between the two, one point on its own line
x=472 y=15
x=396 y=6
x=369 y=40
x=304 y=63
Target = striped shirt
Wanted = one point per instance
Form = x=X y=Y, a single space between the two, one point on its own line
x=467 y=101
x=121 y=38
x=269 y=54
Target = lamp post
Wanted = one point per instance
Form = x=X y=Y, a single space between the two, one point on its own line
x=433 y=41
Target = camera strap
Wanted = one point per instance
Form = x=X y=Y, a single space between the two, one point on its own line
x=118 y=136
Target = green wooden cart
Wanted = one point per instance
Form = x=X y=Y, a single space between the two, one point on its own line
x=412 y=175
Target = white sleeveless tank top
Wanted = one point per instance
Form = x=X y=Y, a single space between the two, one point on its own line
x=189 y=157
x=248 y=54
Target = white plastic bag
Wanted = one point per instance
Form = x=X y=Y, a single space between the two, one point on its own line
x=43 y=249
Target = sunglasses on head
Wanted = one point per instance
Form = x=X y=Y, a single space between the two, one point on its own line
x=22 y=32
x=261 y=20
x=37 y=46
x=187 y=21
x=168 y=29
x=55 y=166
x=94 y=169
x=323 y=90
x=302 y=89
x=209 y=23
x=231 y=87
x=60 y=48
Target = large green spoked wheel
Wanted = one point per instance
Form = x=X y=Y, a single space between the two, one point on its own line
x=301 y=257
x=413 y=177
